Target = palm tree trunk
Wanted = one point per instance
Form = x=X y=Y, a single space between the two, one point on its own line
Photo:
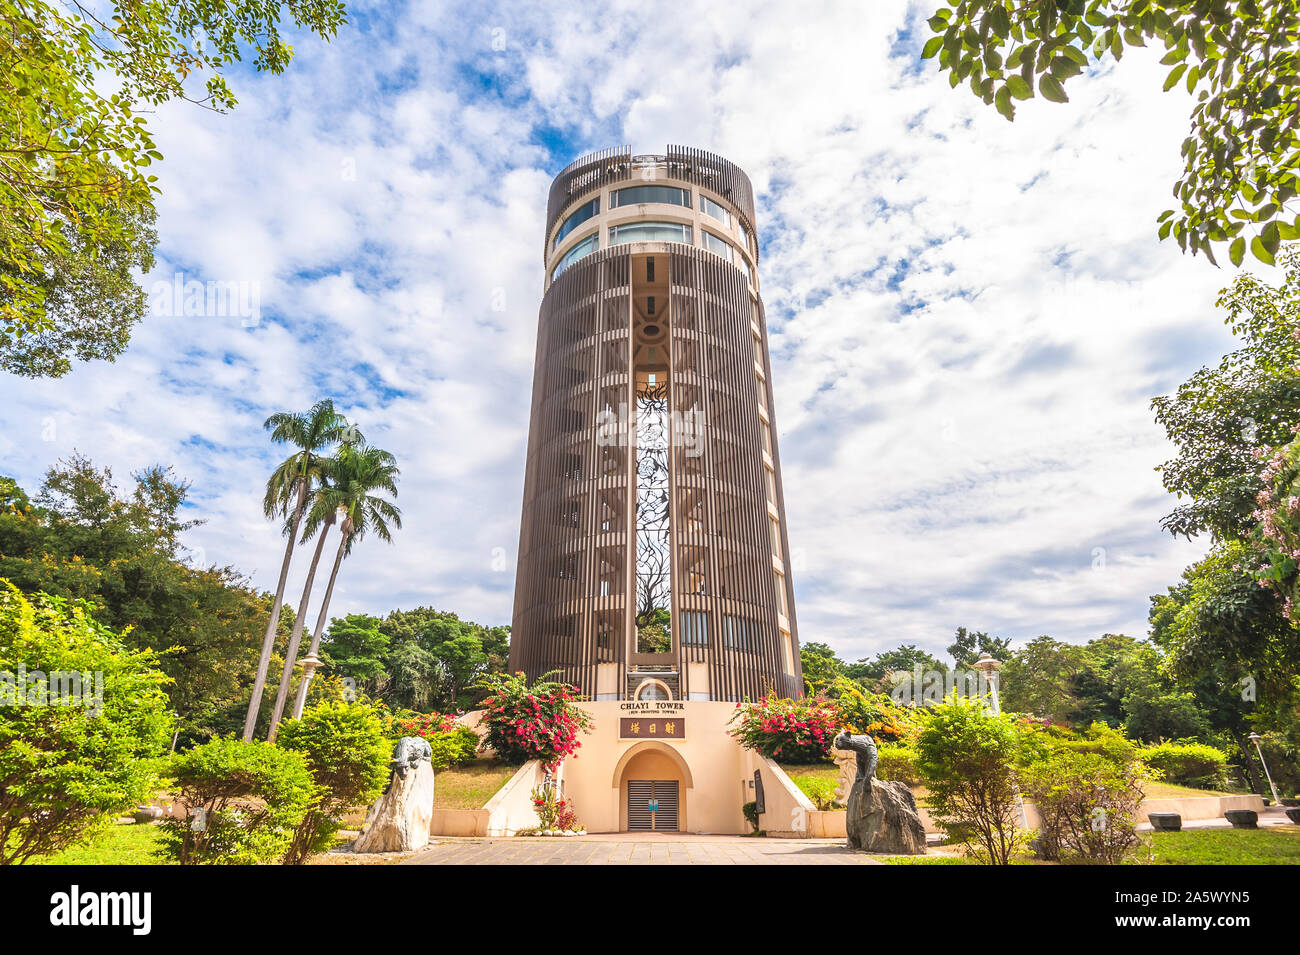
x=273 y=625
x=305 y=682
x=291 y=654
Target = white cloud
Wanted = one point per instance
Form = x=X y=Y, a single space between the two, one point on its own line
x=968 y=316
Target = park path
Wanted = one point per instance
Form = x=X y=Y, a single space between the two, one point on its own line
x=622 y=849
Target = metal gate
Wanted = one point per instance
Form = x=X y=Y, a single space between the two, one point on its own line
x=652 y=805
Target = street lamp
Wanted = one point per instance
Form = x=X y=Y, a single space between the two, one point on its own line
x=1255 y=738
x=309 y=663
x=989 y=667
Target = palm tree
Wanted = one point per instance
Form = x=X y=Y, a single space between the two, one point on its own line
x=356 y=474
x=288 y=492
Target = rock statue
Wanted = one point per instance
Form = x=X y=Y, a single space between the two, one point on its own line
x=399 y=820
x=410 y=752
x=882 y=815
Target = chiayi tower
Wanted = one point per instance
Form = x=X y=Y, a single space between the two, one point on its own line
x=653 y=555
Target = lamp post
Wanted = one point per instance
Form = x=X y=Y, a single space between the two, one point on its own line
x=988 y=668
x=1255 y=738
x=309 y=663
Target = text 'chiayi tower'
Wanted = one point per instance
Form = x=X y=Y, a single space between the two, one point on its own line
x=653 y=557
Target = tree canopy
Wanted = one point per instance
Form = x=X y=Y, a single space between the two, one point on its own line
x=76 y=194
x=1240 y=59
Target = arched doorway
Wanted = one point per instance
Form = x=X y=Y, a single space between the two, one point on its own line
x=652 y=780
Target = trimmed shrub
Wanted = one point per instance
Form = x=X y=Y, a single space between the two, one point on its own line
x=524 y=722
x=347 y=753
x=67 y=766
x=897 y=764
x=793 y=731
x=245 y=802
x=875 y=714
x=1188 y=764
x=965 y=754
x=1088 y=804
x=454 y=748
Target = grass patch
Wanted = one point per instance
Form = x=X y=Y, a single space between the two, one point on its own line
x=1274 y=845
x=814 y=779
x=1155 y=789
x=120 y=844
x=470 y=786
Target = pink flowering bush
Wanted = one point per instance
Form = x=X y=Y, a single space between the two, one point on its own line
x=792 y=731
x=538 y=721
x=1278 y=514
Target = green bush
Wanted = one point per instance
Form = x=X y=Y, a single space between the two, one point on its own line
x=1188 y=764
x=1088 y=805
x=348 y=754
x=897 y=764
x=454 y=748
x=66 y=768
x=245 y=802
x=965 y=755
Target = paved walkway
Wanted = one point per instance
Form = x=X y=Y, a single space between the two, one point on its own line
x=640 y=850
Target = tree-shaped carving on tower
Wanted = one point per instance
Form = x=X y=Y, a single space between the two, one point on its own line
x=653 y=562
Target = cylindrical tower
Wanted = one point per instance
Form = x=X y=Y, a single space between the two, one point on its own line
x=653 y=555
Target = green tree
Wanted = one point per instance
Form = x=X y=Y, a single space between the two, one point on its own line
x=820 y=664
x=355 y=648
x=968 y=645
x=1239 y=57
x=347 y=754
x=74 y=81
x=245 y=801
x=1039 y=679
x=68 y=766
x=89 y=296
x=1220 y=417
x=966 y=755
x=288 y=491
x=878 y=672
x=121 y=551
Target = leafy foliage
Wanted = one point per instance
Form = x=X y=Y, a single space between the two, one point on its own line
x=84 y=539
x=74 y=81
x=347 y=752
x=793 y=731
x=966 y=755
x=1220 y=417
x=1241 y=59
x=64 y=768
x=89 y=296
x=876 y=714
x=540 y=721
x=246 y=802
x=969 y=645
x=1188 y=764
x=416 y=659
x=1087 y=804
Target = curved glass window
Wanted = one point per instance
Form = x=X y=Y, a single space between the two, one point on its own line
x=714 y=210
x=583 y=248
x=649 y=232
x=715 y=245
x=635 y=195
x=744 y=234
x=577 y=218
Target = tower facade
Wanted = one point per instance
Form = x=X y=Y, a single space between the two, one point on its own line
x=653 y=554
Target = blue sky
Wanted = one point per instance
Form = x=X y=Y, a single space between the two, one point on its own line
x=968 y=317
